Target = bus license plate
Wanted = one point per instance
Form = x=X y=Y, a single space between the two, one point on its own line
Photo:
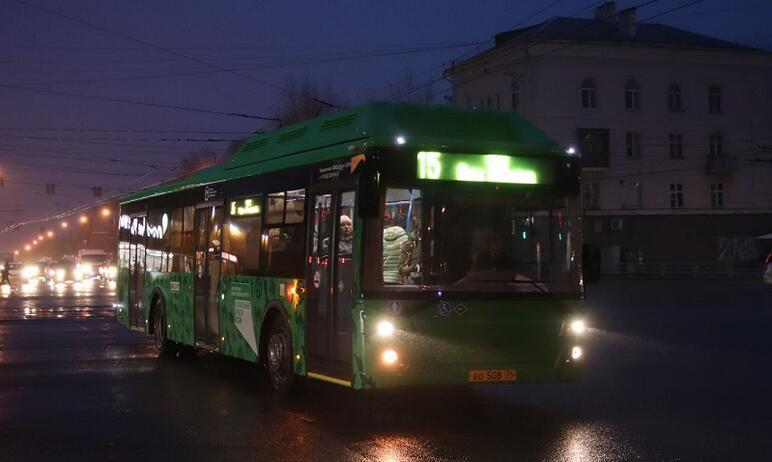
x=492 y=375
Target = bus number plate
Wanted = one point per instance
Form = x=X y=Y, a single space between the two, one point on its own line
x=492 y=375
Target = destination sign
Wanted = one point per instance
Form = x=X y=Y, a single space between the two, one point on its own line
x=245 y=207
x=483 y=168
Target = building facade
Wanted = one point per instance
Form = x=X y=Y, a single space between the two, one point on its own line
x=674 y=129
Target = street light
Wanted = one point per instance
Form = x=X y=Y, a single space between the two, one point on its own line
x=64 y=224
x=40 y=237
x=83 y=219
x=106 y=212
x=16 y=252
x=50 y=234
x=35 y=242
x=27 y=247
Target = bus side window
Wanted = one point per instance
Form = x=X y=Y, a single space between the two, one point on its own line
x=283 y=244
x=242 y=235
x=188 y=239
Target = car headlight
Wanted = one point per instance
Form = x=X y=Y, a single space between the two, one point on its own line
x=30 y=272
x=577 y=326
x=87 y=269
x=112 y=272
x=60 y=275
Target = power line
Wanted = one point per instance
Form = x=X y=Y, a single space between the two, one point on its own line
x=130 y=130
x=139 y=103
x=176 y=53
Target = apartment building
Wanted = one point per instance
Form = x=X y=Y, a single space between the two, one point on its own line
x=674 y=129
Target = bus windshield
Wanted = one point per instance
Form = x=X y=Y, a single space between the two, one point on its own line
x=445 y=240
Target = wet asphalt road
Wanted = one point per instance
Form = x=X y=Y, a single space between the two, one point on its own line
x=676 y=371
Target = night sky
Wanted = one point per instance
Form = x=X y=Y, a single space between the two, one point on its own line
x=162 y=53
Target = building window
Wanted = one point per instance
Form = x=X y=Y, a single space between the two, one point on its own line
x=594 y=146
x=515 y=94
x=591 y=195
x=589 y=93
x=717 y=196
x=633 y=143
x=714 y=99
x=716 y=144
x=632 y=96
x=676 y=145
x=676 y=195
x=674 y=98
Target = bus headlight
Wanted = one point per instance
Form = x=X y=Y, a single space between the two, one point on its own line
x=577 y=326
x=389 y=357
x=576 y=352
x=385 y=329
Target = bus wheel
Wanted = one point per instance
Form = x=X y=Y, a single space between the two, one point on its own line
x=165 y=346
x=278 y=359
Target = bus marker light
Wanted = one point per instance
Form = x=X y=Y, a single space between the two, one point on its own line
x=578 y=327
x=576 y=352
x=389 y=357
x=385 y=329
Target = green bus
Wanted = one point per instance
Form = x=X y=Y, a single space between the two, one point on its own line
x=381 y=246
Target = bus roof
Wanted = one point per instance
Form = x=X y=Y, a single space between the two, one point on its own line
x=367 y=126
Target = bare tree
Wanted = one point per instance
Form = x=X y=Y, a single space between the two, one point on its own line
x=409 y=90
x=304 y=100
x=196 y=161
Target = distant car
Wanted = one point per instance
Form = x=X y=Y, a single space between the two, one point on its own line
x=62 y=272
x=92 y=263
x=34 y=271
x=768 y=269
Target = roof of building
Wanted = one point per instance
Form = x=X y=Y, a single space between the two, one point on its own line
x=614 y=32
x=371 y=125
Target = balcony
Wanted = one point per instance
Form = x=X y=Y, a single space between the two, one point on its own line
x=720 y=165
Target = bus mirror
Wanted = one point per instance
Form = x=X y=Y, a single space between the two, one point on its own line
x=590 y=264
x=368 y=191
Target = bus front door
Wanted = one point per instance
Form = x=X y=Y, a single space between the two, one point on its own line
x=206 y=279
x=330 y=277
x=137 y=274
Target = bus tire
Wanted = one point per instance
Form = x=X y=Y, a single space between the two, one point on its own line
x=278 y=355
x=164 y=346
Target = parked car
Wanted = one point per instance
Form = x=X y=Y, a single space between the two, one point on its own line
x=768 y=269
